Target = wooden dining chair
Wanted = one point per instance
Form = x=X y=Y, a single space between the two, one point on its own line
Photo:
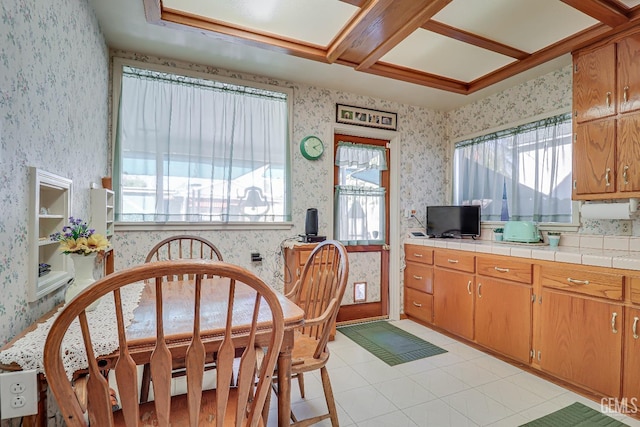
x=319 y=292
x=239 y=405
x=178 y=247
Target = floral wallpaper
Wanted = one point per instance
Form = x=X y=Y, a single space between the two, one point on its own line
x=53 y=115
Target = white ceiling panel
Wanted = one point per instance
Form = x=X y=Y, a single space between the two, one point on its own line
x=436 y=54
x=524 y=24
x=630 y=3
x=313 y=21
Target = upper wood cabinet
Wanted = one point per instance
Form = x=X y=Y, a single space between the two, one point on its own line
x=628 y=87
x=594 y=83
x=606 y=103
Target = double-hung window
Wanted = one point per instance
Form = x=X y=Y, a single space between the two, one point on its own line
x=190 y=148
x=522 y=173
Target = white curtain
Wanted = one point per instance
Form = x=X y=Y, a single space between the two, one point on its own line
x=359 y=204
x=523 y=173
x=191 y=149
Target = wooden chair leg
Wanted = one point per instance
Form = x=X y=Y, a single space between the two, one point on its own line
x=301 y=384
x=328 y=395
x=144 y=386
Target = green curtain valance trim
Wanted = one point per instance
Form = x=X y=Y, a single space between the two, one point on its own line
x=350 y=190
x=201 y=83
x=528 y=127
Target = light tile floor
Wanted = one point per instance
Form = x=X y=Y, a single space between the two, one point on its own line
x=463 y=387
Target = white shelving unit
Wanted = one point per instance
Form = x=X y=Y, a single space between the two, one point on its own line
x=102 y=211
x=49 y=210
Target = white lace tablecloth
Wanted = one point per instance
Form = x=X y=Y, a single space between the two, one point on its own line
x=28 y=351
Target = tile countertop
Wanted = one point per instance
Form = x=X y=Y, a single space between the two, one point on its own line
x=603 y=251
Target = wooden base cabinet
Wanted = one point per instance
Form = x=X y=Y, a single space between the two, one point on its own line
x=581 y=341
x=631 y=377
x=453 y=301
x=503 y=317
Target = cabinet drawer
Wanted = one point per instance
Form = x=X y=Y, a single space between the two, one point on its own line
x=604 y=285
x=417 y=253
x=419 y=277
x=516 y=271
x=418 y=305
x=456 y=260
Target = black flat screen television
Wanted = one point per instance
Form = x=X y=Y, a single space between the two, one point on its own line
x=453 y=221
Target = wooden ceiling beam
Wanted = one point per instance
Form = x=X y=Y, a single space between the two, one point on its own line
x=234 y=34
x=602 y=10
x=402 y=29
x=347 y=35
x=473 y=39
x=418 y=77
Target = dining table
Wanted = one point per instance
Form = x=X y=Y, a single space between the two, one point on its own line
x=178 y=322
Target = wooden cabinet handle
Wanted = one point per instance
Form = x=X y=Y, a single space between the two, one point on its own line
x=453 y=261
x=613 y=323
x=417 y=255
x=416 y=304
x=469 y=287
x=577 y=282
x=479 y=292
x=417 y=277
x=635 y=328
x=501 y=270
x=606 y=177
x=608 y=99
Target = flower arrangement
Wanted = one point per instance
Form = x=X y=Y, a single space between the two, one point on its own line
x=78 y=238
x=498 y=230
x=553 y=233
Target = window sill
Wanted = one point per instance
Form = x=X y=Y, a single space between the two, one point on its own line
x=178 y=226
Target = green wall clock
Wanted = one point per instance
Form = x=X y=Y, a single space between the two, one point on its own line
x=311 y=147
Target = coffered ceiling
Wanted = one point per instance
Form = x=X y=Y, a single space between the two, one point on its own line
x=436 y=53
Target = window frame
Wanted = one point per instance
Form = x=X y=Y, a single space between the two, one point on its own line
x=572 y=226
x=116 y=84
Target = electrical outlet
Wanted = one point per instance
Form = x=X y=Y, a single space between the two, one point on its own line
x=18 y=394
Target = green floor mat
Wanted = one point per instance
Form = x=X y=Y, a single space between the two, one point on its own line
x=390 y=344
x=576 y=415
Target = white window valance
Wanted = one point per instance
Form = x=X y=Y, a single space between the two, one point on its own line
x=361 y=156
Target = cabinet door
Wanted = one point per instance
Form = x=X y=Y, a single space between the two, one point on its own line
x=631 y=377
x=581 y=341
x=628 y=178
x=594 y=83
x=594 y=158
x=628 y=51
x=453 y=295
x=503 y=317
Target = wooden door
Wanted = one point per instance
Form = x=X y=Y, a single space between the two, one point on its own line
x=594 y=161
x=581 y=341
x=631 y=377
x=503 y=317
x=628 y=51
x=453 y=301
x=594 y=83
x=628 y=173
x=373 y=253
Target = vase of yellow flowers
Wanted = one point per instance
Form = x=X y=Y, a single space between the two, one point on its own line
x=83 y=244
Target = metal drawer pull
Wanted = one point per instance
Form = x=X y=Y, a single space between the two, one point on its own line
x=608 y=99
x=501 y=270
x=625 y=175
x=416 y=304
x=606 y=177
x=577 y=282
x=417 y=255
x=625 y=93
x=613 y=323
x=479 y=292
x=417 y=277
x=453 y=261
x=635 y=328
x=469 y=287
